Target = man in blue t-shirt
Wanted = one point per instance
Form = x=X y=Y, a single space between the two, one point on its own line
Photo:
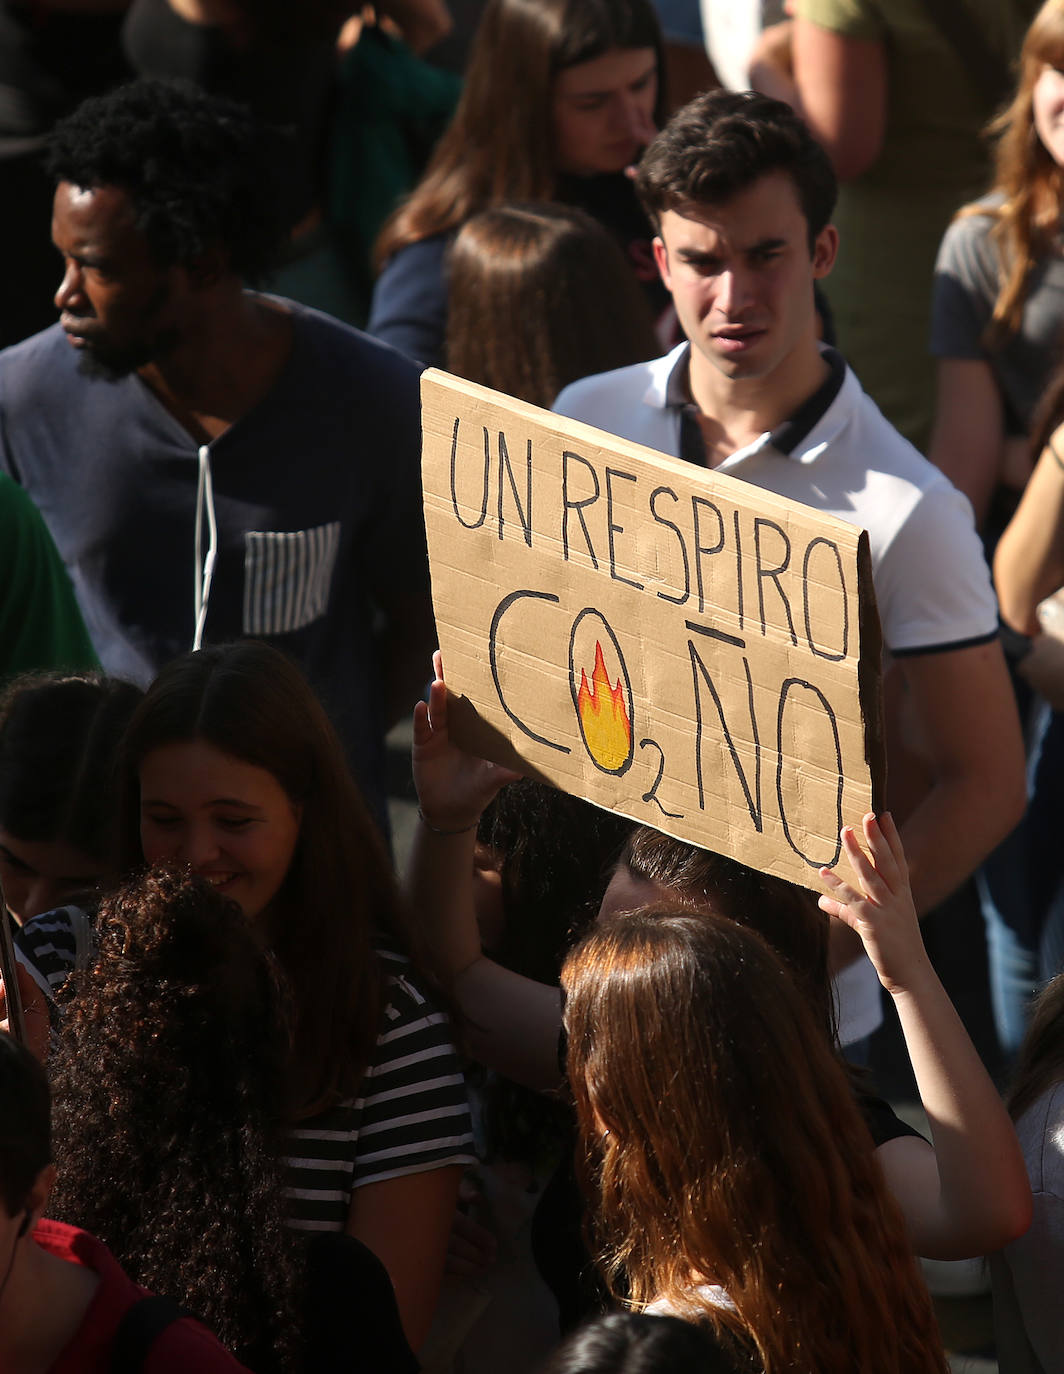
x=213 y=462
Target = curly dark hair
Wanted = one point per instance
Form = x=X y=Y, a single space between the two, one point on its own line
x=200 y=171
x=556 y=853
x=169 y=1091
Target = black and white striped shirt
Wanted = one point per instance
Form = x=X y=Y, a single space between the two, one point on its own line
x=47 y=946
x=411 y=1113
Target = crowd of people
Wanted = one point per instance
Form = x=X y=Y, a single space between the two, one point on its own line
x=543 y=1089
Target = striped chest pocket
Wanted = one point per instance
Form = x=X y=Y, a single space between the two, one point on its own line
x=287 y=575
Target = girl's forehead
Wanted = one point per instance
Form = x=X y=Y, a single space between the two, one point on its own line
x=194 y=766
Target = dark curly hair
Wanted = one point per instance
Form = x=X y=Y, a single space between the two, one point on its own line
x=199 y=171
x=556 y=853
x=169 y=1098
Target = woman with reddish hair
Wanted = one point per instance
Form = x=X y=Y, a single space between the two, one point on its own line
x=731 y=1178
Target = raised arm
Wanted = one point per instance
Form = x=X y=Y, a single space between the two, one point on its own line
x=838 y=84
x=512 y=1022
x=1029 y=561
x=970 y=1194
x=968 y=439
x=406 y=1222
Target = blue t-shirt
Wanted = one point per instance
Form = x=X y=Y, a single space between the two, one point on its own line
x=409 y=308
x=317 y=493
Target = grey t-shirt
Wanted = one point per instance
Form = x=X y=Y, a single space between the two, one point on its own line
x=967 y=279
x=1028 y=1314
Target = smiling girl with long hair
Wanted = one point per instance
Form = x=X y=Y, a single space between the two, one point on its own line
x=995 y=325
x=232 y=770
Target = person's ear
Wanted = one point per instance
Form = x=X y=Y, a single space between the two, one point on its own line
x=661 y=258
x=825 y=251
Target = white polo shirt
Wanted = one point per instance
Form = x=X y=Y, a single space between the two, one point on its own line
x=837 y=454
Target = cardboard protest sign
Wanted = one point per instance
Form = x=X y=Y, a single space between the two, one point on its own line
x=673 y=644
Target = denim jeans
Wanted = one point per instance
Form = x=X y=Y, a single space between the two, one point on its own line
x=1021 y=886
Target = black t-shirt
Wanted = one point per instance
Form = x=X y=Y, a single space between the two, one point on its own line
x=881 y=1119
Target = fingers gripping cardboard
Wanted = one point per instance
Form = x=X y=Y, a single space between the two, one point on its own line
x=673 y=644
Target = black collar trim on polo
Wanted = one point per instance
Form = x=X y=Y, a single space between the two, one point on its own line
x=678 y=397
x=785 y=438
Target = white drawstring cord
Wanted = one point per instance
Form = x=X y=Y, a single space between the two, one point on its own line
x=204 y=566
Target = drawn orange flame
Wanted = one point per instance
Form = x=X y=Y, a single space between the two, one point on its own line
x=604 y=716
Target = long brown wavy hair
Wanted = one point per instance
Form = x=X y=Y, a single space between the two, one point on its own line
x=249 y=701
x=722 y=1145
x=1027 y=223
x=540 y=295
x=169 y=1082
x=500 y=144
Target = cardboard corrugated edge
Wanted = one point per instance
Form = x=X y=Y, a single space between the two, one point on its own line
x=870 y=676
x=487 y=739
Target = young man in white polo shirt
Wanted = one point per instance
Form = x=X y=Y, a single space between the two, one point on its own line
x=742 y=197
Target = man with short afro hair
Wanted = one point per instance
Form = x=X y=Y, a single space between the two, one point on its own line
x=213 y=462
x=198 y=170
